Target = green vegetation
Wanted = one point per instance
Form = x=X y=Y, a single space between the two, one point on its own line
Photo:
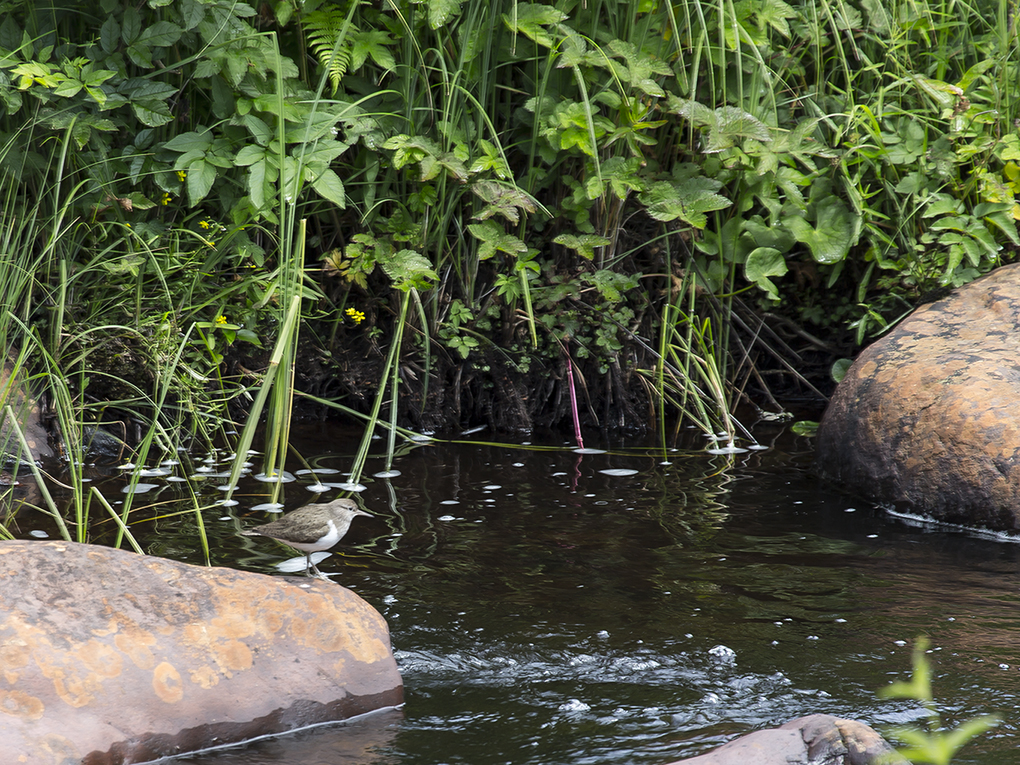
x=475 y=207
x=933 y=744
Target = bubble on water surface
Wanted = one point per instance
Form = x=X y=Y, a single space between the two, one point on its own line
x=574 y=706
x=723 y=653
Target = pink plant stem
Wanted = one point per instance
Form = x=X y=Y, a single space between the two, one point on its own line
x=573 y=404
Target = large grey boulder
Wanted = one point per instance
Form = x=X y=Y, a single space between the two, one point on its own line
x=811 y=740
x=928 y=417
x=108 y=657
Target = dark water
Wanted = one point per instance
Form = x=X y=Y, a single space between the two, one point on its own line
x=543 y=611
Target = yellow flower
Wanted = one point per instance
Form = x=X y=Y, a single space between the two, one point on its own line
x=204 y=224
x=166 y=199
x=221 y=319
x=181 y=175
x=355 y=315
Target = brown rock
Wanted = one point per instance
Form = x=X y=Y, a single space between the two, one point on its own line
x=108 y=657
x=927 y=416
x=805 y=741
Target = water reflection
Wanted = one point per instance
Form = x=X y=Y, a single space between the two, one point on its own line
x=624 y=606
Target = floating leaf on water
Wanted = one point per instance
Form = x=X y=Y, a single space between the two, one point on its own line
x=585 y=450
x=446 y=518
x=283 y=477
x=347 y=486
x=727 y=450
x=140 y=488
x=492 y=487
x=227 y=503
x=804 y=427
x=269 y=507
x=386 y=474
x=317 y=471
x=297 y=565
x=127 y=466
x=153 y=472
x=618 y=472
x=318 y=488
x=226 y=487
x=38 y=534
x=450 y=502
x=177 y=479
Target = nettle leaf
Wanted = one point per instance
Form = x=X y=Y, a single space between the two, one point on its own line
x=441 y=11
x=502 y=199
x=491 y=159
x=688 y=199
x=762 y=263
x=639 y=68
x=726 y=125
x=775 y=13
x=410 y=149
x=584 y=245
x=530 y=19
x=494 y=239
x=612 y=284
x=409 y=270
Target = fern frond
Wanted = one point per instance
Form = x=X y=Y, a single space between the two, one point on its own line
x=327 y=28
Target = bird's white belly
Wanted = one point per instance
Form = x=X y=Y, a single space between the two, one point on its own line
x=324 y=543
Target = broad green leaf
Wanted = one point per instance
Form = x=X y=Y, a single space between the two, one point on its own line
x=329 y=186
x=249 y=155
x=762 y=263
x=201 y=176
x=151 y=112
x=258 y=188
x=130 y=25
x=374 y=43
x=190 y=141
x=833 y=233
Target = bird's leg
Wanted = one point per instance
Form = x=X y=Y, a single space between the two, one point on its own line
x=315 y=568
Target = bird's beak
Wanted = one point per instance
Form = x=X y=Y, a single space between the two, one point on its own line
x=362 y=512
